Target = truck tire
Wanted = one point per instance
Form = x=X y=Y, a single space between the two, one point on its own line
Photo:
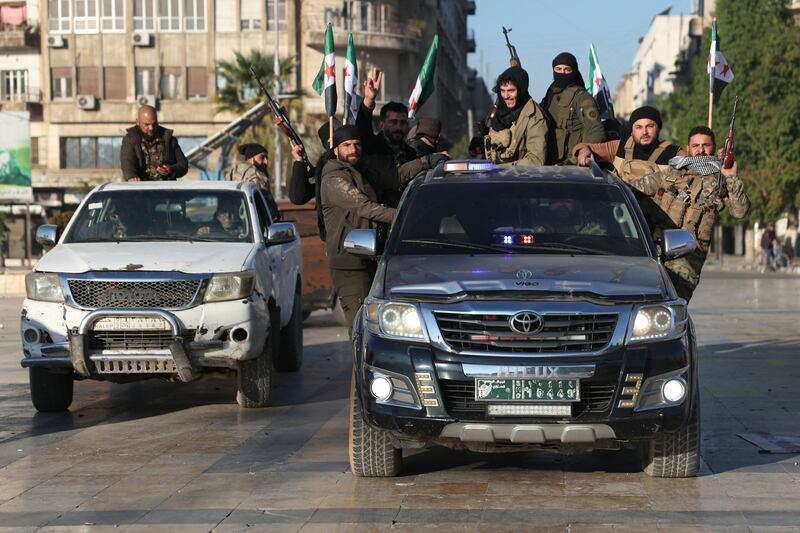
x=50 y=391
x=372 y=453
x=676 y=453
x=254 y=379
x=338 y=314
x=290 y=358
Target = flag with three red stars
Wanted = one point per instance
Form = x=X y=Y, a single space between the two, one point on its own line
x=718 y=68
x=326 y=78
x=424 y=86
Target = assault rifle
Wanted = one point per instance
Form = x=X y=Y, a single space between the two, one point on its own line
x=512 y=50
x=727 y=151
x=281 y=120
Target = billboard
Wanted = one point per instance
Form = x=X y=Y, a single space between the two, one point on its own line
x=15 y=157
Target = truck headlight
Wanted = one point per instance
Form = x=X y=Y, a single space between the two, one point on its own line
x=43 y=287
x=395 y=320
x=657 y=322
x=224 y=287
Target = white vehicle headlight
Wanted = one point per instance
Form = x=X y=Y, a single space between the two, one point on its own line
x=44 y=287
x=657 y=322
x=224 y=287
x=394 y=320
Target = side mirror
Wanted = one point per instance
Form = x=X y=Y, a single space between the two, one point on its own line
x=281 y=233
x=677 y=243
x=361 y=242
x=47 y=235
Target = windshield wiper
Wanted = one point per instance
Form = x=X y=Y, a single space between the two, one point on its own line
x=441 y=243
x=560 y=247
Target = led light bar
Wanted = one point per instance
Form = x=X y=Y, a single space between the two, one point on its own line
x=468 y=166
x=528 y=410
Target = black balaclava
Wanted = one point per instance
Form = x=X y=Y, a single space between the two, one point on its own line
x=562 y=81
x=504 y=116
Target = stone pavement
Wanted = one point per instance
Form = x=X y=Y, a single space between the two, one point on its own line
x=154 y=456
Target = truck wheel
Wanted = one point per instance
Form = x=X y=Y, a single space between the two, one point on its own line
x=290 y=358
x=372 y=453
x=338 y=314
x=50 y=391
x=254 y=379
x=677 y=453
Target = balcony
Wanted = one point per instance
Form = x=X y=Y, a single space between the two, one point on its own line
x=470 y=6
x=19 y=37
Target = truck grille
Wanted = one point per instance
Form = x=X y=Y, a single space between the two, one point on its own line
x=166 y=294
x=459 y=399
x=563 y=333
x=133 y=340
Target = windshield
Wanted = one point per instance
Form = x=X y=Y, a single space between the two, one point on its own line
x=519 y=218
x=162 y=215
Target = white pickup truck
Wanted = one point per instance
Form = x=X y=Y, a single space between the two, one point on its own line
x=164 y=279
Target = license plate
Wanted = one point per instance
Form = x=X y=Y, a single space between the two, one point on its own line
x=528 y=390
x=130 y=323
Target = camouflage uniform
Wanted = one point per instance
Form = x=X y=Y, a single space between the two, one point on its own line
x=690 y=201
x=574 y=112
x=153 y=150
x=250 y=174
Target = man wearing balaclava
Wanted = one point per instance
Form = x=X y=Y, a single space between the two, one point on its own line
x=255 y=169
x=518 y=128
x=574 y=111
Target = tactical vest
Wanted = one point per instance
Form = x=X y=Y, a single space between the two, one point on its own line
x=505 y=146
x=681 y=202
x=630 y=169
x=567 y=122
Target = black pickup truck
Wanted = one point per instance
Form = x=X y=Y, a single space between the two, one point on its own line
x=523 y=307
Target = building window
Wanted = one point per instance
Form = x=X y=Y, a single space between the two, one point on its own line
x=13 y=85
x=90 y=152
x=145 y=81
x=115 y=82
x=85 y=16
x=59 y=16
x=144 y=15
x=169 y=16
x=89 y=81
x=113 y=17
x=271 y=14
x=34 y=150
x=62 y=82
x=197 y=83
x=224 y=16
x=194 y=15
x=170 y=83
x=250 y=15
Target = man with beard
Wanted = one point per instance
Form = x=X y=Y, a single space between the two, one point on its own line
x=639 y=155
x=426 y=136
x=392 y=127
x=688 y=196
x=150 y=152
x=518 y=129
x=255 y=170
x=574 y=111
x=349 y=201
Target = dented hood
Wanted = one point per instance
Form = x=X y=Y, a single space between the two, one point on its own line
x=189 y=257
x=441 y=276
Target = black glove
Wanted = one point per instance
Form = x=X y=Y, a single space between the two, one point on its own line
x=435 y=159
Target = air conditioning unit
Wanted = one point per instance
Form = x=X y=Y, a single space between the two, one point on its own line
x=146 y=99
x=141 y=38
x=56 y=41
x=86 y=101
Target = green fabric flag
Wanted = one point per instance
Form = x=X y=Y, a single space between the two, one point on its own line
x=718 y=68
x=326 y=78
x=351 y=99
x=424 y=86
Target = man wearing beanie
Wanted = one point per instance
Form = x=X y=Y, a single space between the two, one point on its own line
x=518 y=128
x=574 y=111
x=426 y=137
x=255 y=169
x=640 y=154
x=350 y=201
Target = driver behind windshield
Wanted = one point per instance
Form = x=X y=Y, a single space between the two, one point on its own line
x=226 y=220
x=570 y=216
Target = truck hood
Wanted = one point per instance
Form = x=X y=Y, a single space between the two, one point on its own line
x=443 y=276
x=189 y=257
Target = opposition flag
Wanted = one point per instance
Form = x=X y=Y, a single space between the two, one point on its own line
x=718 y=68
x=596 y=86
x=424 y=86
x=326 y=78
x=351 y=99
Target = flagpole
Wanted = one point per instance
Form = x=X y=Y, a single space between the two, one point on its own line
x=330 y=132
x=710 y=108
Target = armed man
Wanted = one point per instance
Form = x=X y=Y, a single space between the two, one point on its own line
x=574 y=111
x=151 y=152
x=392 y=126
x=639 y=155
x=255 y=169
x=690 y=194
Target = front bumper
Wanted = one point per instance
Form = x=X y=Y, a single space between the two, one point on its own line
x=611 y=407
x=57 y=335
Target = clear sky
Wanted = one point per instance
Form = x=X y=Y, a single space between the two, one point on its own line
x=544 y=28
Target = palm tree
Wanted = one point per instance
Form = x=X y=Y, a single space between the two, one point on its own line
x=239 y=91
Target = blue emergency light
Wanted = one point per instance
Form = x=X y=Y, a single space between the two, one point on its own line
x=467 y=165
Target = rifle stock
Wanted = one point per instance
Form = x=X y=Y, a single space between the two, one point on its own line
x=281 y=120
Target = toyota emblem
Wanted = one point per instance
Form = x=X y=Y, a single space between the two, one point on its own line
x=524 y=274
x=526 y=323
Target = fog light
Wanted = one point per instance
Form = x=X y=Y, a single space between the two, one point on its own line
x=31 y=335
x=381 y=388
x=674 y=390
